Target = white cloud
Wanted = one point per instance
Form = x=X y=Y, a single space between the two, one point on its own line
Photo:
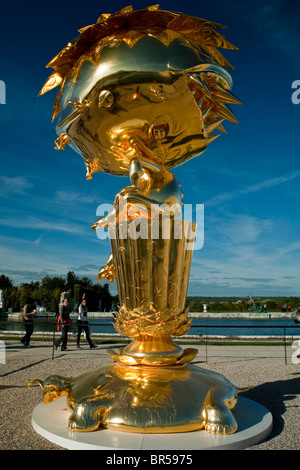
x=13 y=185
x=26 y=260
x=245 y=254
x=38 y=240
x=37 y=224
x=72 y=197
x=264 y=185
x=289 y=248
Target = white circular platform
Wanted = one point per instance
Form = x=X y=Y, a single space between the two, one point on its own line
x=51 y=421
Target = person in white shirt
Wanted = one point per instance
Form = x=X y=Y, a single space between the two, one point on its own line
x=83 y=324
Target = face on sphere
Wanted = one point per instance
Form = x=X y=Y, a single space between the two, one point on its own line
x=141 y=85
x=154 y=116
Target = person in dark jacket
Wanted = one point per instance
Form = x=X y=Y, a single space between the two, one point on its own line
x=28 y=313
x=64 y=322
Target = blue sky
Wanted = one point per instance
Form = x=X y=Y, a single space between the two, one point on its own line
x=248 y=179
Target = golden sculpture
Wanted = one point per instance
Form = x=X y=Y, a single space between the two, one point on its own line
x=140 y=92
x=146 y=399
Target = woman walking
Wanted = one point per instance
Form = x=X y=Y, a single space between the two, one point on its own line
x=83 y=324
x=64 y=322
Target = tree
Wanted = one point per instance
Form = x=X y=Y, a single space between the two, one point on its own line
x=293 y=302
x=106 y=298
x=55 y=282
x=72 y=279
x=86 y=282
x=94 y=295
x=24 y=295
x=5 y=282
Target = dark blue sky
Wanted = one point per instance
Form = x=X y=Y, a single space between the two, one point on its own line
x=248 y=179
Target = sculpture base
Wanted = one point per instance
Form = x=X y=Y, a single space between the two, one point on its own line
x=51 y=422
x=146 y=399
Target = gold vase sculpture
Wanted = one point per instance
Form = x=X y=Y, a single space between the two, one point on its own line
x=141 y=92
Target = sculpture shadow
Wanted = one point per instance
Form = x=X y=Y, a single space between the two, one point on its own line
x=7 y=387
x=275 y=397
x=27 y=366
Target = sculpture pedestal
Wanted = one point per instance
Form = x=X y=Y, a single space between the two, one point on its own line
x=51 y=421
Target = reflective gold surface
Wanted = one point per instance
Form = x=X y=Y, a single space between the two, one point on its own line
x=141 y=92
x=152 y=277
x=151 y=387
x=146 y=399
x=147 y=83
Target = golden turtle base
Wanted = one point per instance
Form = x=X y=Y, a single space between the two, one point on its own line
x=147 y=399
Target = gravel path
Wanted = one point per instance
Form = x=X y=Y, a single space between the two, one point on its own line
x=275 y=384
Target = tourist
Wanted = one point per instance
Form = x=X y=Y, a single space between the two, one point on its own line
x=83 y=325
x=27 y=313
x=63 y=322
